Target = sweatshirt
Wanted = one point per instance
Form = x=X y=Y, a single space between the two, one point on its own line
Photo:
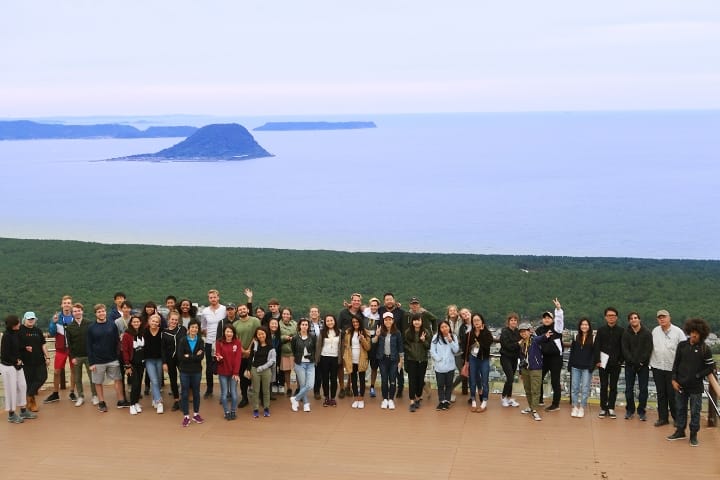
x=103 y=343
x=443 y=353
x=637 y=347
x=693 y=362
x=231 y=353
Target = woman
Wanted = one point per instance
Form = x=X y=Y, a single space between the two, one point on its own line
x=509 y=356
x=390 y=355
x=190 y=355
x=153 y=359
x=170 y=337
x=262 y=360
x=463 y=326
x=132 y=346
x=228 y=355
x=581 y=366
x=35 y=358
x=11 y=368
x=416 y=343
x=303 y=348
x=260 y=313
x=275 y=340
x=188 y=311
x=443 y=349
x=371 y=317
x=288 y=328
x=329 y=356
x=477 y=352
x=356 y=345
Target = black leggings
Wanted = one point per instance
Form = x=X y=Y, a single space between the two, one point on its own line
x=136 y=382
x=509 y=366
x=552 y=364
x=173 y=375
x=357 y=392
x=329 y=373
x=416 y=378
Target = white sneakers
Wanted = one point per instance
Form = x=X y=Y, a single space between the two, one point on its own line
x=95 y=400
x=526 y=410
x=384 y=404
x=361 y=404
x=391 y=405
x=159 y=407
x=483 y=406
x=138 y=408
x=133 y=410
x=79 y=401
x=453 y=398
x=355 y=404
x=511 y=402
x=574 y=411
x=536 y=416
x=306 y=407
x=580 y=412
x=294 y=404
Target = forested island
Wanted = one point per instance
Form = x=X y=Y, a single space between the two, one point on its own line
x=28 y=130
x=36 y=273
x=211 y=143
x=290 y=126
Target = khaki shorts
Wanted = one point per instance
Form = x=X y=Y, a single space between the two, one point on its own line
x=112 y=370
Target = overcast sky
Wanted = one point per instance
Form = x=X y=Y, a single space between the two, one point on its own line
x=252 y=57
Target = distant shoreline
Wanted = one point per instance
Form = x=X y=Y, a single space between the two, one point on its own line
x=294 y=126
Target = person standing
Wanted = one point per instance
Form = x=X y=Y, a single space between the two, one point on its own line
x=531 y=365
x=11 y=368
x=371 y=320
x=329 y=357
x=35 y=358
x=170 y=338
x=390 y=305
x=443 y=347
x=211 y=317
x=228 y=354
x=190 y=355
x=666 y=338
x=132 y=346
x=152 y=336
x=416 y=343
x=552 y=352
x=608 y=357
x=103 y=344
x=57 y=330
x=581 y=365
x=637 y=345
x=509 y=355
x=345 y=318
x=477 y=353
x=390 y=354
x=245 y=328
x=77 y=350
x=303 y=346
x=262 y=359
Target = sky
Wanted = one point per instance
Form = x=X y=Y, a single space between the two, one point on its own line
x=289 y=57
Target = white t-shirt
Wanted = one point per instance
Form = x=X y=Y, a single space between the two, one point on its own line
x=210 y=321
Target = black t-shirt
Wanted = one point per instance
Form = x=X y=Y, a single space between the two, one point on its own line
x=32 y=337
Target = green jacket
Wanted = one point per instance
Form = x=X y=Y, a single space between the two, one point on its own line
x=287 y=330
x=77 y=338
x=415 y=349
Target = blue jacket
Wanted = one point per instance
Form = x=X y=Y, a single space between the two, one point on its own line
x=103 y=343
x=532 y=355
x=443 y=354
x=396 y=346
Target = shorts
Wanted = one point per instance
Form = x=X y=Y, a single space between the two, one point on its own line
x=287 y=363
x=60 y=358
x=112 y=370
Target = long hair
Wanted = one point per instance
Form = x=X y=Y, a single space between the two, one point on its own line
x=144 y=316
x=193 y=309
x=589 y=338
x=131 y=330
x=384 y=330
x=335 y=328
x=410 y=332
x=438 y=337
x=350 y=330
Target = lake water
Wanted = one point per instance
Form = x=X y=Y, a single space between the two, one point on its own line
x=578 y=184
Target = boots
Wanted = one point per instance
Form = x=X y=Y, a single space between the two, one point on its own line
x=32 y=404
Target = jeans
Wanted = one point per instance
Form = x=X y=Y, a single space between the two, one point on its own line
x=479 y=373
x=77 y=370
x=210 y=367
x=580 y=389
x=444 y=385
x=553 y=364
x=643 y=376
x=305 y=373
x=358 y=391
x=509 y=366
x=665 y=394
x=189 y=381
x=388 y=377
x=228 y=385
x=608 y=386
x=328 y=367
x=682 y=400
x=416 y=378
x=153 y=367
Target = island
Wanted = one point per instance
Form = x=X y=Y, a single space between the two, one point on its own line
x=211 y=143
x=291 y=126
x=28 y=130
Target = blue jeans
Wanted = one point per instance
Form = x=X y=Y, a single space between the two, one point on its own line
x=388 y=377
x=479 y=373
x=305 y=373
x=580 y=389
x=695 y=401
x=189 y=381
x=643 y=376
x=153 y=367
x=228 y=385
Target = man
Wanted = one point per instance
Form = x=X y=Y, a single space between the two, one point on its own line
x=230 y=319
x=102 y=348
x=608 y=358
x=666 y=338
x=371 y=319
x=35 y=358
x=118 y=300
x=245 y=327
x=57 y=329
x=273 y=311
x=552 y=327
x=345 y=318
x=211 y=317
x=389 y=305
x=122 y=322
x=77 y=349
x=637 y=345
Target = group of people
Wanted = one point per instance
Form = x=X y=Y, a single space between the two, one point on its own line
x=262 y=350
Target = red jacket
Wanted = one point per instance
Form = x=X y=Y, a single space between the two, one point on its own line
x=127 y=351
x=231 y=353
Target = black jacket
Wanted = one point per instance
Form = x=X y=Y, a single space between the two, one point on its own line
x=170 y=339
x=692 y=364
x=190 y=360
x=11 y=349
x=637 y=347
x=609 y=340
x=484 y=341
x=550 y=348
x=582 y=356
x=510 y=343
x=299 y=345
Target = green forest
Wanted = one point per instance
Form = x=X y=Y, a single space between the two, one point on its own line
x=35 y=274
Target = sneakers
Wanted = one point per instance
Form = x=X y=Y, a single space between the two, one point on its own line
x=175 y=406
x=79 y=401
x=326 y=402
x=266 y=412
x=133 y=410
x=541 y=403
x=95 y=400
x=207 y=395
x=552 y=408
x=294 y=404
x=580 y=412
x=52 y=398
x=138 y=408
x=197 y=418
x=186 y=421
x=439 y=406
x=73 y=397
x=612 y=414
x=504 y=402
x=483 y=406
x=473 y=406
x=446 y=405
x=693 y=439
x=341 y=393
x=160 y=408
x=413 y=407
x=660 y=423
x=361 y=404
x=372 y=392
x=453 y=398
x=354 y=404
x=243 y=403
x=384 y=404
x=399 y=394
x=102 y=407
x=602 y=414
x=15 y=418
x=391 y=405
x=306 y=407
x=629 y=415
x=525 y=411
x=574 y=411
x=642 y=417
x=536 y=416
x=27 y=415
x=123 y=404
x=677 y=435
x=256 y=414
x=512 y=402
x=233 y=415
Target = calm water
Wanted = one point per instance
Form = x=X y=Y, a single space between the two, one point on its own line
x=621 y=184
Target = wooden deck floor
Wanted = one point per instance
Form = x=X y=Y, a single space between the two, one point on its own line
x=66 y=442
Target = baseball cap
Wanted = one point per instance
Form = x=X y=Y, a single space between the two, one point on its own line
x=388 y=314
x=663 y=313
